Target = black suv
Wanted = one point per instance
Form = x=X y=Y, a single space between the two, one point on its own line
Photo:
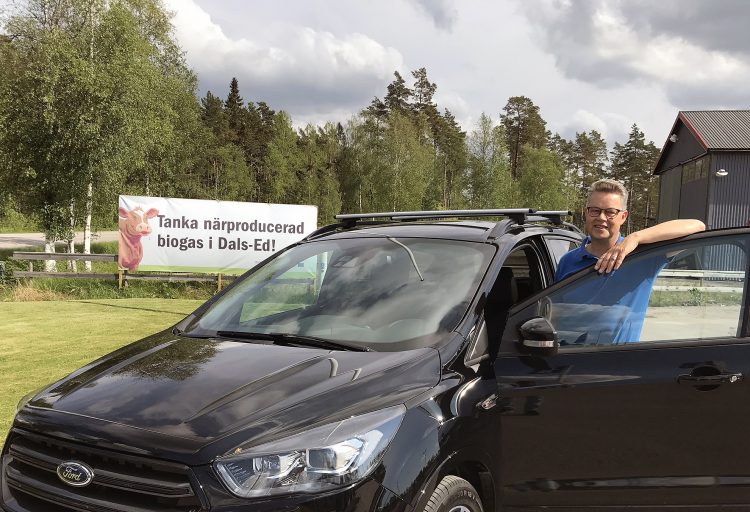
x=413 y=362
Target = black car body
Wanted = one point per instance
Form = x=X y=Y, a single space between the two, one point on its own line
x=409 y=366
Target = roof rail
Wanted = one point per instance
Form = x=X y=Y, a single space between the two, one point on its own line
x=555 y=217
x=518 y=214
x=323 y=230
x=513 y=217
x=339 y=225
x=552 y=216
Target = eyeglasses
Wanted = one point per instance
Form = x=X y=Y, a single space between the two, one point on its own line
x=608 y=212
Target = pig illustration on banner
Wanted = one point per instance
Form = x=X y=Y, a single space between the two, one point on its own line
x=133 y=226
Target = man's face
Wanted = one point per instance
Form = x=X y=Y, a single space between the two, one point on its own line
x=602 y=227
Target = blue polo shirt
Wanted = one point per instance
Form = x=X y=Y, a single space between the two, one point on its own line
x=603 y=309
x=575 y=260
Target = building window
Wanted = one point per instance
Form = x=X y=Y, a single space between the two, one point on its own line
x=695 y=170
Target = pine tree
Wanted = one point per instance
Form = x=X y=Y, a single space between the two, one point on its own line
x=235 y=113
x=422 y=93
x=329 y=192
x=589 y=157
x=259 y=131
x=450 y=157
x=565 y=151
x=348 y=171
x=214 y=117
x=224 y=174
x=632 y=164
x=523 y=126
x=398 y=96
x=281 y=161
x=376 y=111
x=316 y=175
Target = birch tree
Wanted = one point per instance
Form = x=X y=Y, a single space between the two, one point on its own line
x=489 y=183
x=93 y=101
x=541 y=179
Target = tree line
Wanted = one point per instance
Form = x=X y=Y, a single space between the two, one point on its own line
x=96 y=100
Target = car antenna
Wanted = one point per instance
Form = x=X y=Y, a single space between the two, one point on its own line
x=411 y=256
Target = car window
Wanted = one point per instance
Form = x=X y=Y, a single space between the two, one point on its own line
x=558 y=246
x=373 y=291
x=297 y=287
x=689 y=290
x=523 y=269
x=520 y=277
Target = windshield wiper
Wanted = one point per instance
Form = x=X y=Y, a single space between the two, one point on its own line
x=293 y=339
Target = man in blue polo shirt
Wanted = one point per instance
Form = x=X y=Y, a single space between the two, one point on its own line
x=618 y=300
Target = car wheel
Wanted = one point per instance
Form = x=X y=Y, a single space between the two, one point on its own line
x=454 y=494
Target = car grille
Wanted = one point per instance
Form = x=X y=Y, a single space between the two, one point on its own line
x=122 y=483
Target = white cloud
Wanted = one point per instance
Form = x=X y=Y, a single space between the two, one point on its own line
x=457 y=106
x=600 y=42
x=442 y=12
x=585 y=121
x=588 y=64
x=610 y=125
x=664 y=57
x=310 y=72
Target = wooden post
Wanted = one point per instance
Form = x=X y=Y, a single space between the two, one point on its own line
x=119 y=279
x=31 y=266
x=218 y=281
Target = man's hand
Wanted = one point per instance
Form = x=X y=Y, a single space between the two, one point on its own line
x=612 y=259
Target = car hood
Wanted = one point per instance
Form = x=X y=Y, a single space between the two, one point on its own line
x=170 y=394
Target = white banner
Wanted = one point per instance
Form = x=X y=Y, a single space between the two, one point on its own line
x=190 y=235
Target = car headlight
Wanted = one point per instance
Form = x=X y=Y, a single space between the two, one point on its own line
x=323 y=458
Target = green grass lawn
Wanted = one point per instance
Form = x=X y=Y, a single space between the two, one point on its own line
x=43 y=341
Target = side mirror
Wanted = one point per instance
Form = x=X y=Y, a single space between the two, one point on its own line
x=538 y=336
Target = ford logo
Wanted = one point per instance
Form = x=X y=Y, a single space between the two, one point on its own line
x=75 y=473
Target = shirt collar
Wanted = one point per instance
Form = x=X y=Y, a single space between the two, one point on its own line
x=586 y=255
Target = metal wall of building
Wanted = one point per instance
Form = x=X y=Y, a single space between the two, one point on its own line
x=670 y=183
x=729 y=197
x=686 y=148
x=693 y=200
x=728 y=205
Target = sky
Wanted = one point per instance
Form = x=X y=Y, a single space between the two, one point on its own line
x=588 y=64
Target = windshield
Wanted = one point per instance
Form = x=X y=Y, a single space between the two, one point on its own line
x=374 y=292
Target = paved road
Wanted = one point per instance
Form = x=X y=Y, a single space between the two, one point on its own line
x=18 y=240
x=686 y=322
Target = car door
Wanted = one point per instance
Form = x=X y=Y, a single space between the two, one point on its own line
x=655 y=420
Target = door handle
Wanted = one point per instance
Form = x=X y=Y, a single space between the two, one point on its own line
x=709 y=380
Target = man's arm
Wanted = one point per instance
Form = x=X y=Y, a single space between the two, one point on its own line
x=612 y=259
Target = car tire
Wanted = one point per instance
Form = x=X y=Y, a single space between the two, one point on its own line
x=454 y=494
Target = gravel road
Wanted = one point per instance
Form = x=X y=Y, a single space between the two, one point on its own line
x=18 y=240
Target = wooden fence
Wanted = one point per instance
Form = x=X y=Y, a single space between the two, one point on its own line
x=121 y=276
